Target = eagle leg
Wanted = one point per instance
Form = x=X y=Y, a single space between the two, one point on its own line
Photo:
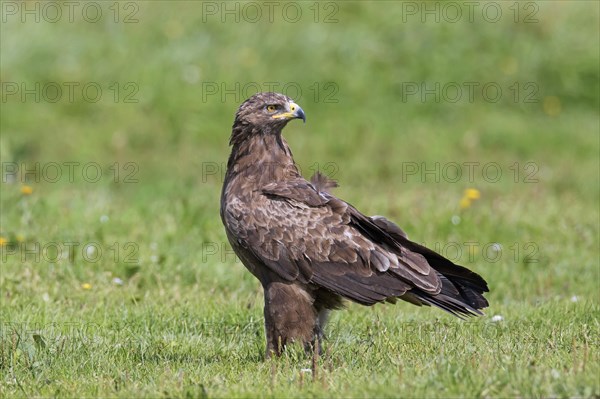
x=318 y=333
x=290 y=316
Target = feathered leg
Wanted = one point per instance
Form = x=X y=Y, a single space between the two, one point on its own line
x=289 y=316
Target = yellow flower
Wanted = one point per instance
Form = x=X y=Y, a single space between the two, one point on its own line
x=26 y=190
x=3 y=241
x=86 y=286
x=472 y=194
x=464 y=203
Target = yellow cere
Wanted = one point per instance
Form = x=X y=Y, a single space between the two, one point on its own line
x=290 y=114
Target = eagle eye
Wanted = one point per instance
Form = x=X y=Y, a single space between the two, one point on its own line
x=272 y=108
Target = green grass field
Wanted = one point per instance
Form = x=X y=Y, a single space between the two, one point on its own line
x=116 y=276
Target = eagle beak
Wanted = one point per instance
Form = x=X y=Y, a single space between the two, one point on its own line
x=295 y=112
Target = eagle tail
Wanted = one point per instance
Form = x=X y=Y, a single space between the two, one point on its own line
x=462 y=290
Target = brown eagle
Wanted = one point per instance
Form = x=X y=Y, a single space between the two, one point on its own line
x=309 y=249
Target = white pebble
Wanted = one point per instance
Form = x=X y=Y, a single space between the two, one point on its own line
x=90 y=250
x=117 y=281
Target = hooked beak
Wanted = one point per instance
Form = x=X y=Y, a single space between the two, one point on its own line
x=297 y=112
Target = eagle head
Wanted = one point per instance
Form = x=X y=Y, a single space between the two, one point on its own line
x=268 y=111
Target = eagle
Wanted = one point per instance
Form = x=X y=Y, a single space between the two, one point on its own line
x=311 y=250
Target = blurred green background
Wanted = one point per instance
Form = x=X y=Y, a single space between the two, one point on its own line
x=155 y=88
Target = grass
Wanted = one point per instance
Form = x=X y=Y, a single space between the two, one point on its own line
x=126 y=287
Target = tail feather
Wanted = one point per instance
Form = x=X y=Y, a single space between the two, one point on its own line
x=454 y=297
x=462 y=289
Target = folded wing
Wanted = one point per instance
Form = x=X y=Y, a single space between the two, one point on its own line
x=305 y=234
